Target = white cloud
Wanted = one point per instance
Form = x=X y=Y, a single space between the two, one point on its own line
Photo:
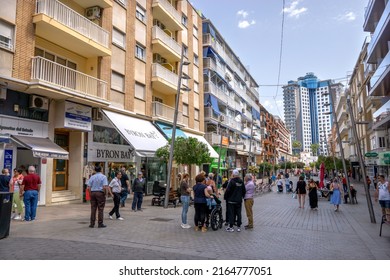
x=245 y=24
x=348 y=16
x=293 y=10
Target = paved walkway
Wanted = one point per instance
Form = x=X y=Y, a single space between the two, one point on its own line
x=282 y=232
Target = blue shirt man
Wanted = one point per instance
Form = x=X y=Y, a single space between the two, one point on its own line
x=98 y=187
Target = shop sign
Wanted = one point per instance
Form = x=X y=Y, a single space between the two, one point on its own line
x=371 y=154
x=23 y=127
x=384 y=158
x=8 y=155
x=101 y=152
x=78 y=116
x=225 y=141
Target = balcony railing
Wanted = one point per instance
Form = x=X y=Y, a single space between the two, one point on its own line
x=379 y=29
x=169 y=8
x=44 y=70
x=163 y=111
x=68 y=17
x=211 y=88
x=213 y=138
x=384 y=66
x=158 y=33
x=165 y=74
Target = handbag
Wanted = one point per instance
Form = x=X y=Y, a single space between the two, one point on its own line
x=294 y=195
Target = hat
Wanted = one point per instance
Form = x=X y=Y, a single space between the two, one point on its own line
x=140 y=173
x=235 y=172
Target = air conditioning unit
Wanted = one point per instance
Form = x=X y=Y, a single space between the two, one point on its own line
x=97 y=115
x=243 y=110
x=93 y=12
x=158 y=58
x=39 y=103
x=221 y=118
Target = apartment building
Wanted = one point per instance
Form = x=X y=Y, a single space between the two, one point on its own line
x=93 y=82
x=231 y=100
x=269 y=151
x=376 y=80
x=307 y=111
x=283 y=141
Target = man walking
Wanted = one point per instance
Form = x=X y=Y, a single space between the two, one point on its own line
x=235 y=193
x=138 y=190
x=31 y=185
x=98 y=187
x=125 y=182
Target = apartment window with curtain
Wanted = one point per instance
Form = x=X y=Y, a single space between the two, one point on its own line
x=117 y=81
x=140 y=13
x=140 y=52
x=184 y=20
x=122 y=2
x=6 y=35
x=140 y=91
x=195 y=31
x=196 y=60
x=118 y=38
x=185 y=52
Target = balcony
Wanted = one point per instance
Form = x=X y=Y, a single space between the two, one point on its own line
x=380 y=80
x=213 y=138
x=372 y=10
x=382 y=117
x=381 y=36
x=91 y=3
x=166 y=13
x=48 y=76
x=219 y=93
x=164 y=80
x=209 y=114
x=163 y=112
x=165 y=45
x=208 y=62
x=63 y=26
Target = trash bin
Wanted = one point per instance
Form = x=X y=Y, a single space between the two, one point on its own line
x=5 y=213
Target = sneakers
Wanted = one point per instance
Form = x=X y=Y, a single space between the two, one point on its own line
x=248 y=227
x=120 y=219
x=196 y=228
x=204 y=229
x=111 y=218
x=238 y=229
x=18 y=217
x=185 y=226
x=229 y=229
x=134 y=210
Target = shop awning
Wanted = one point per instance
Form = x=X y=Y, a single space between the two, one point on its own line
x=167 y=130
x=41 y=147
x=213 y=153
x=142 y=135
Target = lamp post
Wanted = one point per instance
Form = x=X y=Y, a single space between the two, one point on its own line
x=221 y=119
x=339 y=141
x=179 y=88
x=361 y=161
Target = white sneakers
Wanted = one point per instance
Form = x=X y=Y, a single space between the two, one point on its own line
x=120 y=219
x=111 y=218
x=185 y=226
x=18 y=217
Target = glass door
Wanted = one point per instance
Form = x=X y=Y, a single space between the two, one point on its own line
x=60 y=166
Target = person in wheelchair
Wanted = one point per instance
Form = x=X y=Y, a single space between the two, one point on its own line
x=214 y=216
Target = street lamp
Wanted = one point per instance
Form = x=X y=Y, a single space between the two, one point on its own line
x=361 y=162
x=179 y=88
x=339 y=140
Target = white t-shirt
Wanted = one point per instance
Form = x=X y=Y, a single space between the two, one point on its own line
x=383 y=191
x=115 y=184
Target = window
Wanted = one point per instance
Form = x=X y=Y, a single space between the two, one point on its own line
x=195 y=30
x=185 y=52
x=6 y=35
x=184 y=20
x=122 y=2
x=196 y=86
x=382 y=142
x=185 y=109
x=140 y=52
x=196 y=114
x=158 y=99
x=117 y=81
x=118 y=38
x=140 y=91
x=140 y=13
x=196 y=60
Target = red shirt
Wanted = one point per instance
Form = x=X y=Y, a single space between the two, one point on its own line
x=31 y=182
x=344 y=180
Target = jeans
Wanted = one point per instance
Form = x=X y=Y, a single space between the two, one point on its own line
x=137 y=200
x=185 y=201
x=123 y=198
x=30 y=200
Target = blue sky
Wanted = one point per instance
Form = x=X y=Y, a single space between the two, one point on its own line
x=320 y=36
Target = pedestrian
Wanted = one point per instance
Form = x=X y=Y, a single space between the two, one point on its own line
x=382 y=193
x=115 y=191
x=279 y=184
x=288 y=185
x=185 y=192
x=375 y=179
x=31 y=185
x=224 y=187
x=336 y=196
x=98 y=187
x=5 y=179
x=235 y=193
x=301 y=191
x=200 y=202
x=138 y=190
x=16 y=182
x=248 y=200
x=273 y=178
x=368 y=180
x=345 y=187
x=212 y=183
x=125 y=187
x=313 y=196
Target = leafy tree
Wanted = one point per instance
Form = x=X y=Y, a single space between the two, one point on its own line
x=314 y=148
x=296 y=146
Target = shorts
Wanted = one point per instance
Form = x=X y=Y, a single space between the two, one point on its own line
x=384 y=203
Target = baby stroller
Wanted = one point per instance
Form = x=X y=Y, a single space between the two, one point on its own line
x=159 y=194
x=215 y=218
x=280 y=188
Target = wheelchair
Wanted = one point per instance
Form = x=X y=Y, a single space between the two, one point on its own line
x=159 y=194
x=215 y=218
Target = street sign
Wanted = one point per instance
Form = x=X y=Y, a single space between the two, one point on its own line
x=371 y=154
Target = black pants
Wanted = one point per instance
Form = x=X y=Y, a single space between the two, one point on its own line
x=235 y=214
x=98 y=201
x=200 y=214
x=115 y=209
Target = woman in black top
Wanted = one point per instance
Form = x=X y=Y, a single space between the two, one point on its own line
x=200 y=203
x=301 y=191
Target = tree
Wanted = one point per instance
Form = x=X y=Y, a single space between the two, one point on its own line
x=296 y=146
x=314 y=148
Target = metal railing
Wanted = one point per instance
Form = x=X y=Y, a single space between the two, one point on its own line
x=161 y=110
x=50 y=72
x=212 y=88
x=70 y=18
x=165 y=74
x=158 y=33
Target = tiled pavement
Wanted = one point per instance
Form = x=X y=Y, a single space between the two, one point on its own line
x=282 y=232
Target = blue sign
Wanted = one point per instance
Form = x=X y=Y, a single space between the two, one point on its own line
x=8 y=154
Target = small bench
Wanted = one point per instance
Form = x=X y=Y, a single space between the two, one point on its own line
x=383 y=221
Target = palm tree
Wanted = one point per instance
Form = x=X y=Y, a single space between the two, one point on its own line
x=314 y=148
x=296 y=146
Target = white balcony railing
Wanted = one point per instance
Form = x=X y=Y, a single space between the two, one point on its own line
x=169 y=8
x=68 y=17
x=165 y=74
x=213 y=138
x=44 y=70
x=163 y=111
x=158 y=33
x=211 y=88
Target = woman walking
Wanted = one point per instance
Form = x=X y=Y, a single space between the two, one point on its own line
x=16 y=181
x=301 y=191
x=313 y=196
x=336 y=196
x=200 y=203
x=185 y=199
